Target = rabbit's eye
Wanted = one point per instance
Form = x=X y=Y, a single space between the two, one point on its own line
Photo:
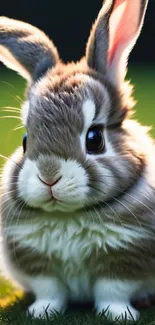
x=95 y=143
x=24 y=142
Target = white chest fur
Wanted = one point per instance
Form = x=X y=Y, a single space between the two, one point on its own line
x=72 y=239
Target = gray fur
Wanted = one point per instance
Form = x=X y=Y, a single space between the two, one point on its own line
x=29 y=46
x=97 y=47
x=54 y=125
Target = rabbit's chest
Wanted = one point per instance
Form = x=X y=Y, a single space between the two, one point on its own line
x=70 y=249
x=68 y=245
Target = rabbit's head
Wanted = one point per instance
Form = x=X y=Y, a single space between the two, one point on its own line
x=80 y=149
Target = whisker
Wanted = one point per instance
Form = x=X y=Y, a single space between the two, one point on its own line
x=5 y=208
x=7 y=199
x=2 y=156
x=145 y=205
x=14 y=238
x=12 y=107
x=2 y=188
x=123 y=191
x=138 y=222
x=99 y=214
x=92 y=216
x=113 y=211
x=12 y=215
x=6 y=193
x=8 y=84
x=128 y=209
x=17 y=98
x=18 y=128
x=10 y=116
x=10 y=110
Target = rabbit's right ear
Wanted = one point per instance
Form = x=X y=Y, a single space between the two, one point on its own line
x=26 y=49
x=113 y=36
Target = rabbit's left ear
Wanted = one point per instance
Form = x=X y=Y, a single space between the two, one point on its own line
x=113 y=36
x=26 y=49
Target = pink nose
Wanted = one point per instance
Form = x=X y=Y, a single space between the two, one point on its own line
x=49 y=183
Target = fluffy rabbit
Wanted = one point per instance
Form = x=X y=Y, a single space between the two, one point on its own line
x=78 y=198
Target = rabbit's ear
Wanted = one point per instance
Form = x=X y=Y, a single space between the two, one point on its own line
x=26 y=49
x=113 y=36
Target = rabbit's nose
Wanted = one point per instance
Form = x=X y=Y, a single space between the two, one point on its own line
x=50 y=183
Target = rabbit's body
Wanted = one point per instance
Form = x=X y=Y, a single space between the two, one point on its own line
x=78 y=201
x=78 y=249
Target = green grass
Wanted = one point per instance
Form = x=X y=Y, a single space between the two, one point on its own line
x=12 y=310
x=15 y=314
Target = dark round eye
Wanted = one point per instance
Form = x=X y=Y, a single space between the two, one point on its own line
x=24 y=142
x=95 y=141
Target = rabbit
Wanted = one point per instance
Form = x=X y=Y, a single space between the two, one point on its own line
x=78 y=196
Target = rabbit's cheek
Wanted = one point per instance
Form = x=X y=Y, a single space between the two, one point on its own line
x=30 y=189
x=73 y=187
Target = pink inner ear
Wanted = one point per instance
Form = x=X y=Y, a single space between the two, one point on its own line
x=123 y=26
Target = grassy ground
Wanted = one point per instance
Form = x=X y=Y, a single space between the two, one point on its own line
x=12 y=307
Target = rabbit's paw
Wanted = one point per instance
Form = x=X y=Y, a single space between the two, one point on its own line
x=118 y=311
x=42 y=307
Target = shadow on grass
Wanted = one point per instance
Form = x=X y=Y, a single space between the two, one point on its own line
x=13 y=312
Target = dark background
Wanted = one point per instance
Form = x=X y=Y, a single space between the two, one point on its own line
x=68 y=24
